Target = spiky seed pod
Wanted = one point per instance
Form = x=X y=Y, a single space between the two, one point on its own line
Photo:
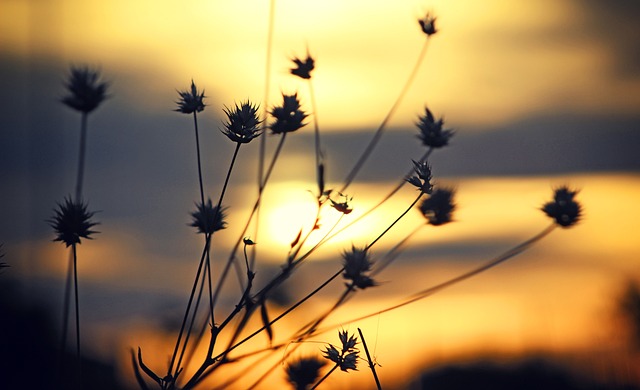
x=304 y=372
x=431 y=130
x=303 y=68
x=422 y=177
x=428 y=24
x=86 y=91
x=191 y=100
x=208 y=219
x=564 y=210
x=356 y=264
x=242 y=123
x=439 y=207
x=71 y=222
x=289 y=117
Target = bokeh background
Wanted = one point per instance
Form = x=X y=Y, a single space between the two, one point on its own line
x=540 y=94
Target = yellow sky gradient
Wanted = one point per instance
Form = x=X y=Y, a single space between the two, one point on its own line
x=492 y=61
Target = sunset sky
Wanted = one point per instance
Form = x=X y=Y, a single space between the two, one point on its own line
x=540 y=94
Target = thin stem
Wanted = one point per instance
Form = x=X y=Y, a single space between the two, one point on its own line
x=516 y=250
x=397 y=188
x=81 y=155
x=186 y=313
x=325 y=376
x=195 y=125
x=227 y=266
x=213 y=298
x=65 y=308
x=75 y=285
x=316 y=127
x=396 y=221
x=376 y=137
x=371 y=363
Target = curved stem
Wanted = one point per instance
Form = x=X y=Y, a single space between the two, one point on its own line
x=397 y=188
x=516 y=250
x=396 y=221
x=376 y=136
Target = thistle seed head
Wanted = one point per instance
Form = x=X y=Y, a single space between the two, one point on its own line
x=303 y=68
x=438 y=208
x=289 y=117
x=356 y=265
x=208 y=219
x=564 y=210
x=86 y=91
x=422 y=177
x=347 y=359
x=428 y=24
x=431 y=132
x=71 y=222
x=191 y=100
x=304 y=372
x=242 y=123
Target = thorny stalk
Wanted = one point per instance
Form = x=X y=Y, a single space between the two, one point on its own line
x=372 y=365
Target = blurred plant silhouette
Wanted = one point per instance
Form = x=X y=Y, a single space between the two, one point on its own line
x=187 y=367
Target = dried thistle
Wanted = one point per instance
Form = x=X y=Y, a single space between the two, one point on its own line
x=304 y=372
x=431 y=131
x=428 y=24
x=356 y=264
x=303 y=68
x=72 y=222
x=289 y=117
x=208 y=219
x=242 y=123
x=347 y=358
x=86 y=91
x=563 y=208
x=438 y=208
x=190 y=100
x=422 y=177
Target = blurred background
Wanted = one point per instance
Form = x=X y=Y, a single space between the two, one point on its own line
x=540 y=94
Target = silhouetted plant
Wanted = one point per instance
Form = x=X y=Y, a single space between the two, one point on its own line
x=72 y=222
x=359 y=265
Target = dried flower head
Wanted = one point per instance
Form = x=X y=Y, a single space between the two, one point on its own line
x=428 y=24
x=289 y=117
x=303 y=68
x=422 y=177
x=191 y=100
x=347 y=358
x=431 y=132
x=438 y=208
x=72 y=222
x=242 y=123
x=304 y=372
x=563 y=209
x=86 y=91
x=208 y=219
x=343 y=206
x=356 y=264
